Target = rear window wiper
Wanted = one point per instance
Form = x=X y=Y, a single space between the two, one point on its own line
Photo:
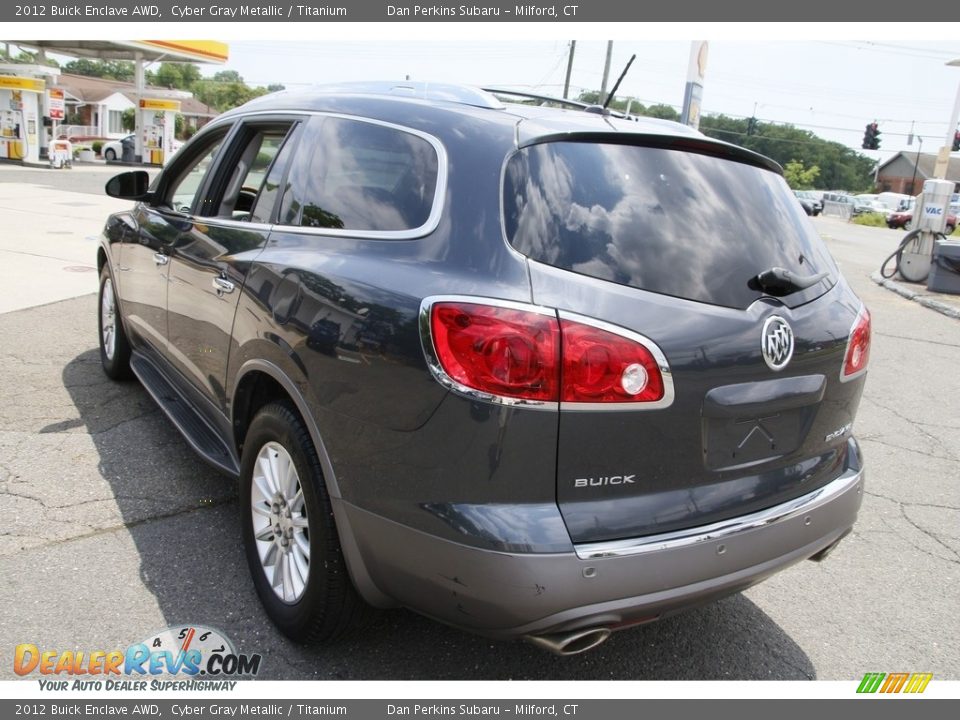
x=778 y=281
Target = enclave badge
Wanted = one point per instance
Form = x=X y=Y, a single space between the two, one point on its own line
x=776 y=343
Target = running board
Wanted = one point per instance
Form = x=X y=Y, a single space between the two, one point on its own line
x=195 y=430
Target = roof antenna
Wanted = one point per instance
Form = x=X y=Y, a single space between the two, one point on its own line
x=616 y=85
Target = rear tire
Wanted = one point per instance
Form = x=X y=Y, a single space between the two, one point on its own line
x=289 y=533
x=114 y=346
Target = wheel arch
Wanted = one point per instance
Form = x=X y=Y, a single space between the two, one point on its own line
x=260 y=381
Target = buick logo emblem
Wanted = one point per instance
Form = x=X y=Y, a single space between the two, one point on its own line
x=777 y=343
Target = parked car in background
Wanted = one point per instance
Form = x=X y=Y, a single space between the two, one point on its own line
x=523 y=370
x=901 y=220
x=870 y=203
x=810 y=202
x=113 y=150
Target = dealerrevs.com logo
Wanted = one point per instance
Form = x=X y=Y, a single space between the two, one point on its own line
x=894 y=682
x=200 y=656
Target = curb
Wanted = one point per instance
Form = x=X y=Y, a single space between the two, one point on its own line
x=925 y=300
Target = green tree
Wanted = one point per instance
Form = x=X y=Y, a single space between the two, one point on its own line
x=128 y=119
x=841 y=168
x=24 y=57
x=122 y=70
x=180 y=76
x=798 y=177
x=664 y=112
x=225 y=95
x=228 y=76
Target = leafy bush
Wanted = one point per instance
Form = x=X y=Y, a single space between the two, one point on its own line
x=870 y=220
x=97 y=146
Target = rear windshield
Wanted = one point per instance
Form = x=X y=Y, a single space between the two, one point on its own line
x=663 y=220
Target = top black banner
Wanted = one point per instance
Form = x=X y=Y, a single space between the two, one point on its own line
x=482 y=11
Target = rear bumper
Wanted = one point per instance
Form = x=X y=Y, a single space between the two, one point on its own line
x=610 y=584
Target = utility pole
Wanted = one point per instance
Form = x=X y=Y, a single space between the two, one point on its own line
x=943 y=157
x=694 y=88
x=606 y=74
x=566 y=82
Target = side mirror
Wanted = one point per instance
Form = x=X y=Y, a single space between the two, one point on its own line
x=129 y=185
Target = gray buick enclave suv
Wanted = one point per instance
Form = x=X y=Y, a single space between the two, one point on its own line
x=530 y=372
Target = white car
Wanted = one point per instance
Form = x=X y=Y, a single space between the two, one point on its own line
x=113 y=150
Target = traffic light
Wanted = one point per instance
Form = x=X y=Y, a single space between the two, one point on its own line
x=871 y=137
x=956 y=141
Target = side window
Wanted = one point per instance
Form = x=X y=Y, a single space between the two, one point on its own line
x=270 y=189
x=355 y=175
x=182 y=191
x=260 y=148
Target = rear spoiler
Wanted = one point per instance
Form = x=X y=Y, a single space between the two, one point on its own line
x=699 y=144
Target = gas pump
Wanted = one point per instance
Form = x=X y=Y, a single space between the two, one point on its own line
x=157 y=125
x=21 y=119
x=915 y=254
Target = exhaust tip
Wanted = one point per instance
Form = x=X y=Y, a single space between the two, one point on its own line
x=571 y=643
x=821 y=556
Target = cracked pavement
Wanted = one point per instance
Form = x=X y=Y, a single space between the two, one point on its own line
x=112 y=529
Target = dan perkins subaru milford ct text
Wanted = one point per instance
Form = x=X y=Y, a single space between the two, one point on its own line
x=433 y=11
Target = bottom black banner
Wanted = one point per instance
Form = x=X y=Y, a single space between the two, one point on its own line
x=621 y=709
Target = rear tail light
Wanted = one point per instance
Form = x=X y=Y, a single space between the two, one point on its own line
x=500 y=351
x=522 y=354
x=857 y=356
x=602 y=367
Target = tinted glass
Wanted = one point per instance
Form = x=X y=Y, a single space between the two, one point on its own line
x=270 y=190
x=180 y=193
x=667 y=221
x=355 y=175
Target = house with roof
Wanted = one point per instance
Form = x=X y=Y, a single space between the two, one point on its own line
x=96 y=106
x=906 y=171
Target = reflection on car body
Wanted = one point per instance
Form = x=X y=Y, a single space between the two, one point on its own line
x=532 y=372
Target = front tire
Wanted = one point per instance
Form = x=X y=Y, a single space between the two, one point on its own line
x=114 y=347
x=289 y=533
x=109 y=154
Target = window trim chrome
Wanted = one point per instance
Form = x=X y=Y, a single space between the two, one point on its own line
x=440 y=191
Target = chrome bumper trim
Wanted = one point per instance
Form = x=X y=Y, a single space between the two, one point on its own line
x=724 y=528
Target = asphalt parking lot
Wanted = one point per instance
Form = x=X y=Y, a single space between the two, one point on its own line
x=112 y=529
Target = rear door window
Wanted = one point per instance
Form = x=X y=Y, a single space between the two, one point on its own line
x=665 y=220
x=360 y=176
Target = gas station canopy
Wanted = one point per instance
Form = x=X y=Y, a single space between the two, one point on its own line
x=21 y=113
x=197 y=51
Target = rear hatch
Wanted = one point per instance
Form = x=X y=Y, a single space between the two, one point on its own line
x=664 y=238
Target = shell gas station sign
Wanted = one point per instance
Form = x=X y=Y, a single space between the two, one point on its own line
x=160 y=105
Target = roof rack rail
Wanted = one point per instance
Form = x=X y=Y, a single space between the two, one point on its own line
x=536 y=96
x=448 y=92
x=575 y=104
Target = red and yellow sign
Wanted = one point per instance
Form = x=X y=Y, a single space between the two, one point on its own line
x=55 y=104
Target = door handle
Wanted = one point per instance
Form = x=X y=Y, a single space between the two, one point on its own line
x=161 y=259
x=222 y=285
